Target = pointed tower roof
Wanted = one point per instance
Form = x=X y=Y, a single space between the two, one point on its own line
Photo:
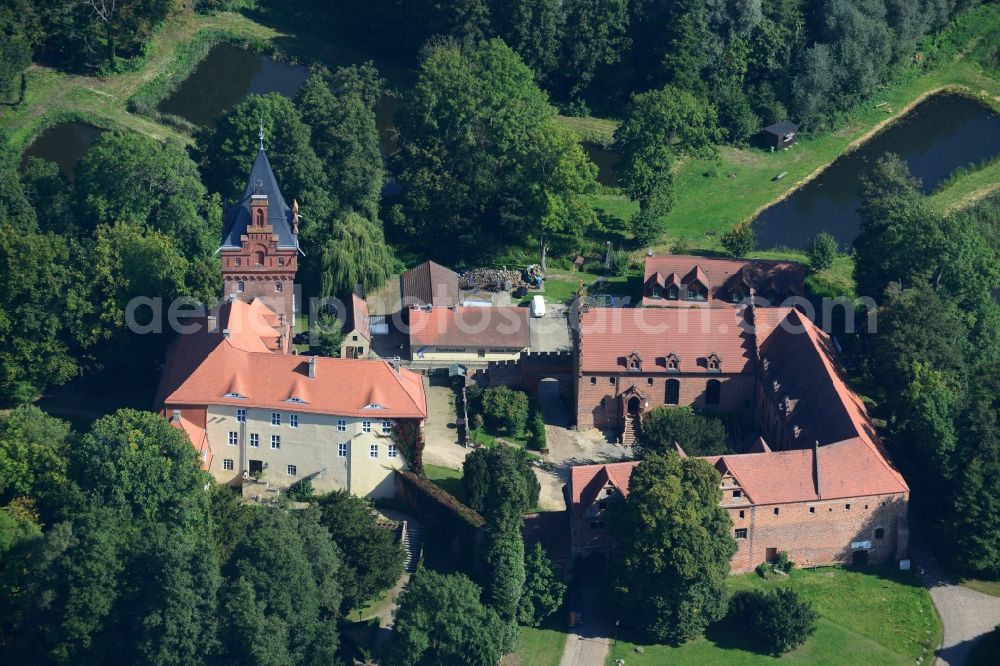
x=279 y=215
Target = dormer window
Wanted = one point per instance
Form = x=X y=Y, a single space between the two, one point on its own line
x=235 y=395
x=697 y=292
x=714 y=363
x=673 y=363
x=656 y=292
x=737 y=295
x=633 y=362
x=296 y=400
x=374 y=406
x=673 y=293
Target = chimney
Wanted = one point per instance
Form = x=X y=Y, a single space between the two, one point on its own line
x=176 y=416
x=395 y=363
x=213 y=323
x=312 y=367
x=225 y=332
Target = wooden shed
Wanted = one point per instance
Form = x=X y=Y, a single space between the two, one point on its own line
x=780 y=135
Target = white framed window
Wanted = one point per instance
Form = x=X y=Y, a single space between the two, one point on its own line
x=341 y=425
x=234 y=438
x=386 y=427
x=292 y=470
x=342 y=450
x=392 y=450
x=373 y=451
x=254 y=440
x=293 y=420
x=241 y=415
x=275 y=441
x=366 y=426
x=240 y=286
x=227 y=464
x=276 y=418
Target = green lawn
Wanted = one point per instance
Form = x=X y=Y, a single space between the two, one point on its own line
x=52 y=96
x=448 y=479
x=539 y=647
x=875 y=617
x=712 y=197
x=991 y=587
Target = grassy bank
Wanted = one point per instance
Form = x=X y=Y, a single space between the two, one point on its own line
x=52 y=96
x=713 y=196
x=879 y=616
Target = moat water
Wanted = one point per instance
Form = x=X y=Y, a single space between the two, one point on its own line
x=942 y=134
x=64 y=144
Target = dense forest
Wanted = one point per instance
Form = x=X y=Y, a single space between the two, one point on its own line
x=113 y=552
x=483 y=166
x=933 y=358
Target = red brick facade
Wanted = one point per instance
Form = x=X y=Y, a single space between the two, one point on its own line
x=259 y=268
x=602 y=399
x=822 y=532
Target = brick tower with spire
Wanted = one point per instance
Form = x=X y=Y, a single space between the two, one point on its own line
x=260 y=245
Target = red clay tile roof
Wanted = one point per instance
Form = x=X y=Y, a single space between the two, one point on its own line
x=850 y=468
x=203 y=367
x=586 y=482
x=198 y=437
x=469 y=327
x=608 y=335
x=800 y=358
x=429 y=284
x=721 y=275
x=357 y=316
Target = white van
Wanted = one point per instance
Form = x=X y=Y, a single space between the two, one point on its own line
x=537 y=306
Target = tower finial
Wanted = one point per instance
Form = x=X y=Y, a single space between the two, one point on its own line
x=261 y=135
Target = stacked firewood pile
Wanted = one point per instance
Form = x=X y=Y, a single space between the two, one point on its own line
x=490 y=279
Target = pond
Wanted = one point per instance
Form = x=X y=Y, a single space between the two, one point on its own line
x=605 y=159
x=937 y=137
x=229 y=74
x=63 y=144
x=226 y=76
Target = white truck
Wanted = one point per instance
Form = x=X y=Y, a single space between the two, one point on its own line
x=537 y=306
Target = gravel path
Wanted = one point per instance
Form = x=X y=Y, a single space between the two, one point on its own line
x=965 y=613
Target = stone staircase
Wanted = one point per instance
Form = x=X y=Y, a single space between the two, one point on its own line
x=631 y=428
x=411 y=543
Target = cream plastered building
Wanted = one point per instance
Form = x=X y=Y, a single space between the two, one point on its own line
x=264 y=419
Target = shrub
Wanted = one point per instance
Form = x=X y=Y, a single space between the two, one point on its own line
x=331 y=335
x=505 y=409
x=537 y=430
x=301 y=490
x=782 y=563
x=621 y=262
x=821 y=250
x=739 y=240
x=779 y=619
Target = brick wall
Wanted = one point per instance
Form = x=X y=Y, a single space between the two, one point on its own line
x=736 y=394
x=811 y=538
x=824 y=534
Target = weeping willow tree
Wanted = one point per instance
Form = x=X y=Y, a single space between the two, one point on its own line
x=355 y=254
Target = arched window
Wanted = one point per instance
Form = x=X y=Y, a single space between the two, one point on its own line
x=277 y=286
x=713 y=389
x=259 y=254
x=260 y=217
x=672 y=394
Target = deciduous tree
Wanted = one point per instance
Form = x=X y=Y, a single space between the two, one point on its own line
x=670 y=567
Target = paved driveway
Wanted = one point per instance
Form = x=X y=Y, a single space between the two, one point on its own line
x=966 y=614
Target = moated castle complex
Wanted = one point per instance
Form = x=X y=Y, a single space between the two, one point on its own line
x=813 y=478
